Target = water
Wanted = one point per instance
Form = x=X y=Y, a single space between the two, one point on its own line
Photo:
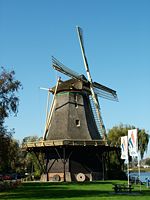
x=143 y=175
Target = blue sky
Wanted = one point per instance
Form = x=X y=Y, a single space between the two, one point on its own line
x=117 y=42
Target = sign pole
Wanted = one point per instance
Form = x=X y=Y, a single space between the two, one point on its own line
x=128 y=171
x=124 y=153
x=139 y=170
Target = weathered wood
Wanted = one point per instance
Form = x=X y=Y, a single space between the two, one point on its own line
x=49 y=143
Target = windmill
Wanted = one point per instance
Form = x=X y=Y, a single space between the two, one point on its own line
x=96 y=90
x=74 y=141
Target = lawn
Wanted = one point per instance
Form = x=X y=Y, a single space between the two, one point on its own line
x=71 y=191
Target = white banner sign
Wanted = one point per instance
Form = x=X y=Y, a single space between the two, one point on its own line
x=124 y=147
x=133 y=142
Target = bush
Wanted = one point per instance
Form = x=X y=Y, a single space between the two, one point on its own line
x=9 y=184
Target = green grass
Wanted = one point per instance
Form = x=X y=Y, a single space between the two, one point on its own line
x=72 y=191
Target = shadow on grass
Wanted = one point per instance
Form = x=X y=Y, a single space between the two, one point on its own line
x=61 y=190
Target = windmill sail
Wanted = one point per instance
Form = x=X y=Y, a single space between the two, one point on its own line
x=63 y=69
x=105 y=92
x=97 y=120
x=96 y=103
x=95 y=89
x=99 y=89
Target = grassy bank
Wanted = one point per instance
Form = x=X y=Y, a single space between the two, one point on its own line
x=141 y=169
x=72 y=191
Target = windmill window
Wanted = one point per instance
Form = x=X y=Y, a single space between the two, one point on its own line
x=76 y=98
x=76 y=105
x=77 y=122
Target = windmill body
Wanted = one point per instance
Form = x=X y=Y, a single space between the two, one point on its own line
x=72 y=117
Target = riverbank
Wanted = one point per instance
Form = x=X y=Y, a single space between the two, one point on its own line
x=141 y=169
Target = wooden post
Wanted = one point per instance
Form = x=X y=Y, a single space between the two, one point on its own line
x=64 y=163
x=47 y=170
x=103 y=166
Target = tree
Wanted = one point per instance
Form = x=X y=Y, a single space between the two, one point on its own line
x=34 y=162
x=147 y=161
x=143 y=140
x=14 y=155
x=116 y=132
x=9 y=102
